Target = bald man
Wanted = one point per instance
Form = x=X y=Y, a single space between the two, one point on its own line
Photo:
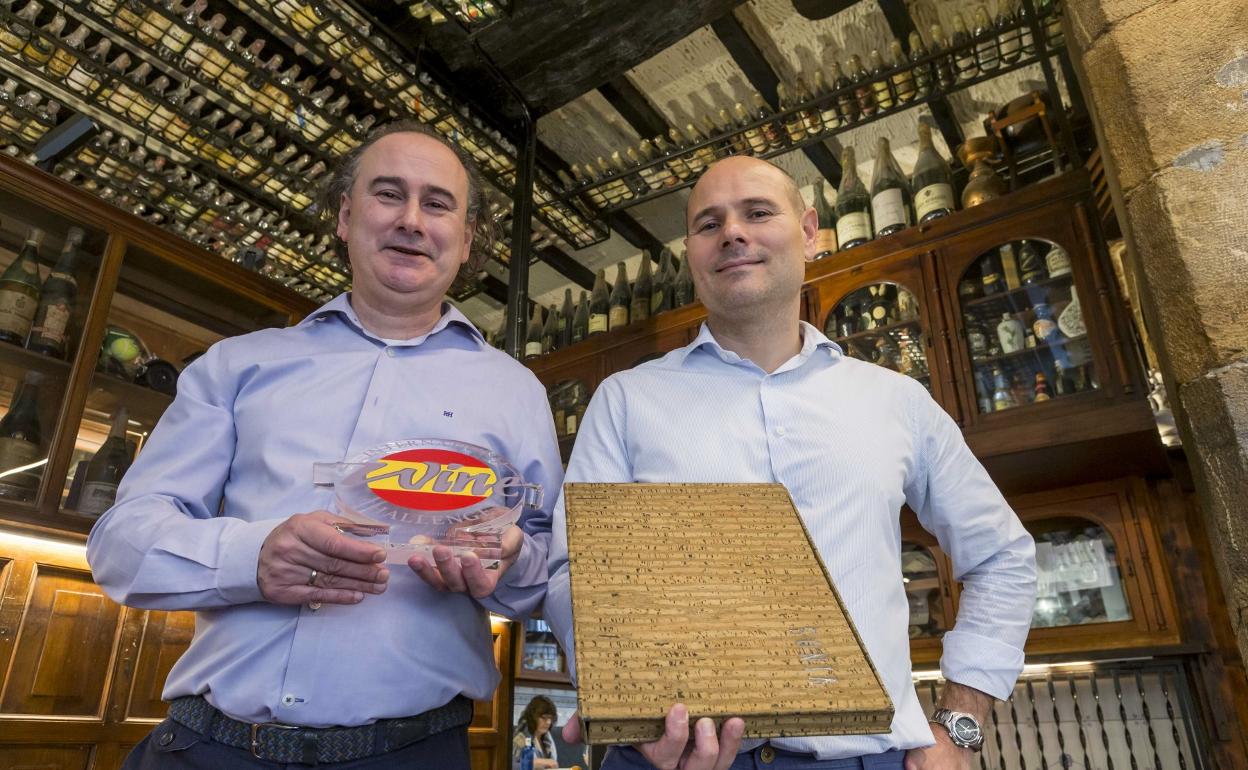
x=760 y=396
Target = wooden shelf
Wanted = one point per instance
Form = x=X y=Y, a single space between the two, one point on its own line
x=880 y=331
x=1002 y=296
x=1042 y=347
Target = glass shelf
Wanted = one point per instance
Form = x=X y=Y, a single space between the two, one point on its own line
x=879 y=323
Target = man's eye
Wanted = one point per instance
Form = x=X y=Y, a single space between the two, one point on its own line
x=388 y=195
x=707 y=226
x=437 y=205
x=758 y=213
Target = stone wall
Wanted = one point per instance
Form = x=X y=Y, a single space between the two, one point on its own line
x=1168 y=82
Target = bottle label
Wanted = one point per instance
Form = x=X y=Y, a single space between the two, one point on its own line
x=597 y=323
x=933 y=198
x=97 y=497
x=889 y=209
x=17 y=311
x=14 y=453
x=825 y=242
x=51 y=328
x=533 y=348
x=619 y=316
x=571 y=424
x=656 y=301
x=853 y=227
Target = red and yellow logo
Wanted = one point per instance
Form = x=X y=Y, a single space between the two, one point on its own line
x=431 y=480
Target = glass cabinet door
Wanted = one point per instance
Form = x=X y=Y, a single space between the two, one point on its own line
x=880 y=323
x=540 y=655
x=568 y=400
x=48 y=269
x=923 y=591
x=1077 y=574
x=1024 y=327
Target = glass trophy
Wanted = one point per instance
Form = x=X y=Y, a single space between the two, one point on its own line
x=409 y=496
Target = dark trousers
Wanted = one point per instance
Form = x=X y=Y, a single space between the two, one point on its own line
x=176 y=747
x=628 y=758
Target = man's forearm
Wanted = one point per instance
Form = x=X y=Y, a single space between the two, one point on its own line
x=959 y=697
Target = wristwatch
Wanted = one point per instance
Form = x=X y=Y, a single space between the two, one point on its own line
x=964 y=729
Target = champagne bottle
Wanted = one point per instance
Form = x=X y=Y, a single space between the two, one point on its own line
x=754 y=135
x=964 y=54
x=651 y=176
x=828 y=115
x=580 y=322
x=932 y=182
x=21 y=439
x=863 y=92
x=64 y=59
x=19 y=291
x=853 y=205
x=683 y=289
x=943 y=66
x=639 y=307
x=771 y=132
x=987 y=54
x=661 y=293
x=49 y=333
x=903 y=78
x=924 y=79
x=599 y=305
x=825 y=242
x=15 y=33
x=621 y=298
x=533 y=339
x=1009 y=41
x=632 y=180
x=846 y=105
x=550 y=331
x=890 y=194
x=811 y=118
x=566 y=320
x=880 y=85
x=736 y=143
x=42 y=44
x=104 y=472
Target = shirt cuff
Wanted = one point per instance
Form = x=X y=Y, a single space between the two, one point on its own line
x=985 y=664
x=240 y=558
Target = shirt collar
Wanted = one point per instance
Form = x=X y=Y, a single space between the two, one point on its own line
x=340 y=306
x=812 y=339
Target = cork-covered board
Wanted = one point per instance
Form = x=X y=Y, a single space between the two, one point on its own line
x=711 y=595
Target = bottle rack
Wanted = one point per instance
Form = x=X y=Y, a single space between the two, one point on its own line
x=471 y=15
x=367 y=63
x=187 y=213
x=658 y=176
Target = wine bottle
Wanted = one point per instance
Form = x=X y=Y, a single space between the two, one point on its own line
x=1002 y=394
x=753 y=134
x=550 y=331
x=828 y=115
x=964 y=53
x=1041 y=388
x=599 y=306
x=104 y=472
x=533 y=338
x=15 y=33
x=1030 y=266
x=661 y=292
x=794 y=125
x=987 y=54
x=846 y=105
x=566 y=320
x=42 y=44
x=19 y=291
x=621 y=298
x=49 y=333
x=992 y=277
x=682 y=289
x=64 y=58
x=924 y=79
x=932 y=181
x=639 y=306
x=736 y=143
x=890 y=194
x=704 y=155
x=853 y=205
x=811 y=117
x=880 y=84
x=863 y=93
x=903 y=78
x=580 y=323
x=21 y=439
x=825 y=241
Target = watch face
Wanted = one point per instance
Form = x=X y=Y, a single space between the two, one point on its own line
x=966 y=730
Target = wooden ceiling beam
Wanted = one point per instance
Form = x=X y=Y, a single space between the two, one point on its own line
x=634 y=107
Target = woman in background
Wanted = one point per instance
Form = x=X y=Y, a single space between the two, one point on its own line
x=535 y=722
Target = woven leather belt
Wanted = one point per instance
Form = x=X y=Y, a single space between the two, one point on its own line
x=312 y=745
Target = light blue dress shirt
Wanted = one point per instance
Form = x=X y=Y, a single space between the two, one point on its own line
x=851 y=442
x=232 y=458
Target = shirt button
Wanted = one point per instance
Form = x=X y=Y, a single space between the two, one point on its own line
x=166 y=739
x=288 y=700
x=766 y=755
x=780 y=431
x=390 y=352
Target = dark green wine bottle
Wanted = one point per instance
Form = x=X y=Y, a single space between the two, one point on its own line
x=639 y=307
x=580 y=323
x=621 y=298
x=682 y=290
x=104 y=472
x=21 y=440
x=566 y=320
x=599 y=306
x=49 y=333
x=19 y=291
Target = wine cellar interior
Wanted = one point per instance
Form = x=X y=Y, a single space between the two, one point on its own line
x=160 y=191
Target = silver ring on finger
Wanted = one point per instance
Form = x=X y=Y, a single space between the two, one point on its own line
x=312 y=578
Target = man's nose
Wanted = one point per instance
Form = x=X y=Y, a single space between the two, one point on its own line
x=411 y=218
x=732 y=232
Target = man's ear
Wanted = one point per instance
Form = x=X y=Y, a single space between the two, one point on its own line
x=810 y=234
x=344 y=217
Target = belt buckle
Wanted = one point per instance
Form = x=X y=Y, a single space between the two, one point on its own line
x=255 y=735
